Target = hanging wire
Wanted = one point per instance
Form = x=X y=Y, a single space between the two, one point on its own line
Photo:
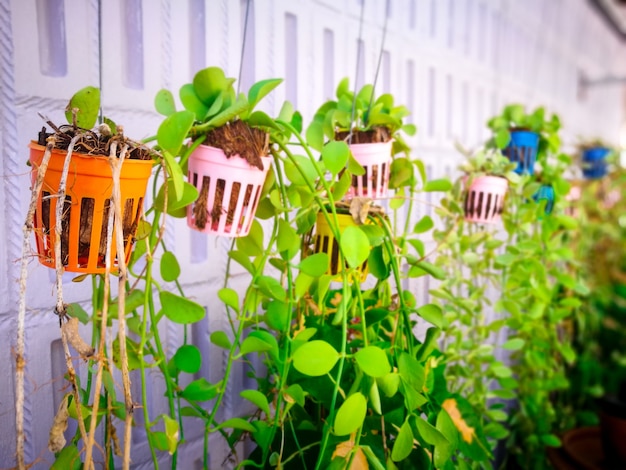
x=100 y=114
x=380 y=55
x=358 y=57
x=356 y=72
x=243 y=45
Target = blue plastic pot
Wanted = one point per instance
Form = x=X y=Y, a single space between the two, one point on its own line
x=594 y=162
x=545 y=193
x=522 y=149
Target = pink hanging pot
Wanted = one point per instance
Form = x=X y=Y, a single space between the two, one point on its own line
x=376 y=160
x=229 y=192
x=484 y=200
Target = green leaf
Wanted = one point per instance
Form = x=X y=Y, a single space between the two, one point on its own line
x=295 y=393
x=210 y=82
x=74 y=310
x=134 y=299
x=300 y=170
x=429 y=344
x=355 y=246
x=514 y=344
x=239 y=107
x=502 y=138
x=67 y=459
x=252 y=244
x=430 y=433
x=403 y=445
x=315 y=136
x=170 y=269
x=175 y=176
x=314 y=265
x=277 y=316
x=315 y=358
x=432 y=313
x=235 y=423
x=200 y=390
x=171 y=432
x=446 y=427
x=411 y=371
x=260 y=89
x=257 y=398
x=373 y=361
x=229 y=297
x=271 y=288
x=355 y=167
x=164 y=102
x=188 y=359
x=220 y=339
x=87 y=101
x=389 y=384
x=335 y=155
x=173 y=131
x=424 y=267
x=179 y=309
x=262 y=120
x=438 y=185
x=551 y=440
x=192 y=102
x=424 y=225
x=351 y=414
x=254 y=344
x=288 y=241
x=175 y=207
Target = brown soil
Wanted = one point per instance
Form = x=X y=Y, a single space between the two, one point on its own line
x=238 y=138
x=376 y=135
x=95 y=143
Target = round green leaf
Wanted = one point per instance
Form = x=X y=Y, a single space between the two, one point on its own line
x=200 y=390
x=173 y=131
x=188 y=359
x=170 y=269
x=220 y=339
x=335 y=155
x=355 y=246
x=87 y=100
x=257 y=398
x=513 y=344
x=315 y=358
x=351 y=414
x=179 y=309
x=164 y=102
x=373 y=361
x=277 y=315
x=314 y=265
x=192 y=102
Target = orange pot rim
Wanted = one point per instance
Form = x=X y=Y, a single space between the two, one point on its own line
x=92 y=165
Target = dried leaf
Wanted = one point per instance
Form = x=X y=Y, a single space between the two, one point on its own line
x=70 y=331
x=57 y=441
x=359 y=208
x=467 y=432
x=343 y=449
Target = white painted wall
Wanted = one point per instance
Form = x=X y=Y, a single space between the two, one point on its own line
x=453 y=62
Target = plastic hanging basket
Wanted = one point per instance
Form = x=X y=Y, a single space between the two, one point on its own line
x=325 y=242
x=545 y=193
x=86 y=211
x=229 y=189
x=522 y=149
x=484 y=200
x=594 y=162
x=376 y=160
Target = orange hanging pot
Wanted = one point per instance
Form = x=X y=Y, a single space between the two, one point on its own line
x=87 y=204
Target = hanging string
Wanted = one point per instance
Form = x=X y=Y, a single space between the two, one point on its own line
x=356 y=73
x=100 y=114
x=380 y=55
x=243 y=45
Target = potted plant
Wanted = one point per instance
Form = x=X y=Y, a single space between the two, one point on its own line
x=594 y=156
x=228 y=154
x=486 y=181
x=524 y=137
x=371 y=126
x=87 y=176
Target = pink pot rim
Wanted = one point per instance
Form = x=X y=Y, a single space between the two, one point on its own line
x=216 y=156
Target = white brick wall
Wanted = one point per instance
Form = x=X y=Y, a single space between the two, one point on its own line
x=453 y=62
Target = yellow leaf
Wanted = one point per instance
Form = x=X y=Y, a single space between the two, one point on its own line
x=466 y=431
x=343 y=449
